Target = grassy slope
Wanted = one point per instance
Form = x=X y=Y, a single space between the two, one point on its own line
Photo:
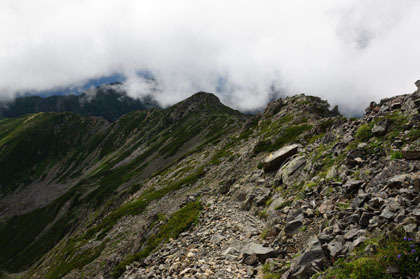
x=160 y=135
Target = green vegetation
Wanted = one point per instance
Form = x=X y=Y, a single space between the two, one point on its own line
x=393 y=251
x=268 y=274
x=284 y=204
x=76 y=262
x=396 y=155
x=364 y=132
x=177 y=223
x=139 y=205
x=23 y=242
x=289 y=135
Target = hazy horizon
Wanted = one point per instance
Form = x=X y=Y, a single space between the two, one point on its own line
x=246 y=52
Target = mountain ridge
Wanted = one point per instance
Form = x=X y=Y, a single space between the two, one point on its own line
x=184 y=191
x=107 y=101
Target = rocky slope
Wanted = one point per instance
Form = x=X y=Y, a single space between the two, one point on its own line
x=298 y=191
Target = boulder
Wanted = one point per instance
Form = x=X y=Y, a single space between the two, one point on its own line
x=261 y=252
x=273 y=161
x=326 y=206
x=307 y=264
x=352 y=186
x=380 y=128
x=411 y=154
x=293 y=227
x=291 y=170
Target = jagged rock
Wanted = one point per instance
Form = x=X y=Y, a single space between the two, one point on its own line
x=251 y=260
x=273 y=161
x=293 y=227
x=409 y=228
x=261 y=196
x=225 y=186
x=326 y=206
x=351 y=234
x=261 y=252
x=380 y=128
x=335 y=248
x=291 y=170
x=352 y=186
x=411 y=154
x=387 y=213
x=357 y=242
x=365 y=218
x=308 y=262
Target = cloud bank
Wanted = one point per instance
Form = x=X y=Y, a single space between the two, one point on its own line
x=349 y=51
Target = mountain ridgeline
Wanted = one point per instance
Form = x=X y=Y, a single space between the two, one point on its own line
x=199 y=190
x=106 y=101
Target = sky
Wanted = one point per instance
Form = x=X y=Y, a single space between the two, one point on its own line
x=246 y=52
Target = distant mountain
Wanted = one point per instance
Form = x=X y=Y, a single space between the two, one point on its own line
x=105 y=101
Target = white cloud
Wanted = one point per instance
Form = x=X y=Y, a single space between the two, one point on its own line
x=347 y=51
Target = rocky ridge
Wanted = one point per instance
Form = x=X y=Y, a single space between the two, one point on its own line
x=298 y=192
x=338 y=193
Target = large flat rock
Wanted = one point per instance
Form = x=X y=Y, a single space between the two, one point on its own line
x=273 y=161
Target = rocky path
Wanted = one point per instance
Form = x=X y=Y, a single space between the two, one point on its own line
x=225 y=244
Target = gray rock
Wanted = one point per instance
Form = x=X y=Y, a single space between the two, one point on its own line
x=261 y=196
x=293 y=227
x=261 y=252
x=290 y=171
x=364 y=219
x=411 y=154
x=335 y=248
x=417 y=83
x=387 y=213
x=380 y=128
x=357 y=242
x=326 y=206
x=409 y=228
x=273 y=161
x=351 y=234
x=313 y=256
x=352 y=186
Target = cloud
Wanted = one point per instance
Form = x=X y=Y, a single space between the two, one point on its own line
x=349 y=52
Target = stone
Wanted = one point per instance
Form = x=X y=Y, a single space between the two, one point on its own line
x=347 y=139
x=409 y=228
x=387 y=213
x=293 y=227
x=291 y=170
x=352 y=186
x=397 y=181
x=335 y=248
x=273 y=161
x=365 y=218
x=261 y=196
x=251 y=260
x=277 y=201
x=312 y=256
x=351 y=234
x=396 y=105
x=417 y=83
x=380 y=128
x=357 y=242
x=326 y=206
x=261 y=252
x=411 y=154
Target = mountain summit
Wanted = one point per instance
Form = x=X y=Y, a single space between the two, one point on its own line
x=199 y=190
